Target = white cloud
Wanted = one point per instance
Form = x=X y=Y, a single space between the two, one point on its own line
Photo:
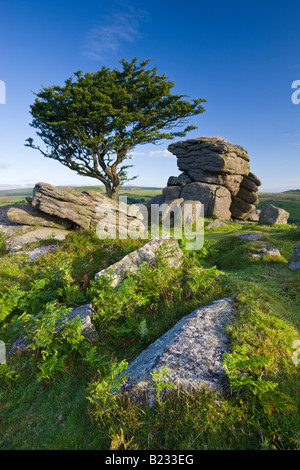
x=161 y=153
x=120 y=26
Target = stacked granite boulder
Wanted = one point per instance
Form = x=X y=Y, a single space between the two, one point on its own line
x=217 y=174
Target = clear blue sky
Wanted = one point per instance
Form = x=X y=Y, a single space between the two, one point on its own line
x=242 y=57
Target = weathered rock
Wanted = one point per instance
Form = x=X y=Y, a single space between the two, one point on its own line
x=147 y=254
x=253 y=216
x=266 y=251
x=27 y=215
x=250 y=182
x=250 y=236
x=171 y=192
x=247 y=196
x=84 y=312
x=252 y=177
x=273 y=215
x=216 y=224
x=295 y=261
x=211 y=155
x=36 y=253
x=208 y=163
x=173 y=213
x=230 y=182
x=240 y=208
x=180 y=180
x=87 y=210
x=6 y=226
x=192 y=352
x=191 y=210
x=165 y=211
x=18 y=242
x=216 y=199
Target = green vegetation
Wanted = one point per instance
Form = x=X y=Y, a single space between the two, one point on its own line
x=59 y=394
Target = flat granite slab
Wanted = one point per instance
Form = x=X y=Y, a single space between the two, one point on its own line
x=192 y=352
x=18 y=242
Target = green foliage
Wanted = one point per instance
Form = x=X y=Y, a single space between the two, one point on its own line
x=157 y=297
x=2 y=243
x=92 y=123
x=162 y=384
x=103 y=393
x=7 y=373
x=53 y=337
x=43 y=392
x=9 y=301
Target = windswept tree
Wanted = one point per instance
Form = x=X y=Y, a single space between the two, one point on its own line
x=93 y=122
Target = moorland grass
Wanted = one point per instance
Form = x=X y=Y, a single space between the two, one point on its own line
x=55 y=396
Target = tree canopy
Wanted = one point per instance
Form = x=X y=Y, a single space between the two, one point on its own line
x=93 y=122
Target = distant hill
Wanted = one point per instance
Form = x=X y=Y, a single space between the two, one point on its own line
x=134 y=194
x=292 y=191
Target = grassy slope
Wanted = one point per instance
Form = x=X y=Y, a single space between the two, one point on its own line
x=55 y=414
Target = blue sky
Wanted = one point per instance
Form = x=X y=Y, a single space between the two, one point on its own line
x=242 y=57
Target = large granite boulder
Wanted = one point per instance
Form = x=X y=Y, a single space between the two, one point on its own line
x=191 y=351
x=87 y=210
x=217 y=174
x=216 y=199
x=210 y=154
x=273 y=215
x=147 y=254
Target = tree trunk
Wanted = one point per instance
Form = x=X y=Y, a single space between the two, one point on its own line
x=113 y=192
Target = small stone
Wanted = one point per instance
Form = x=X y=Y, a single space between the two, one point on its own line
x=250 y=236
x=216 y=224
x=266 y=250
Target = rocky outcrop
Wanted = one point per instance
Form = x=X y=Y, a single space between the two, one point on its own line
x=191 y=351
x=85 y=210
x=52 y=213
x=147 y=254
x=273 y=215
x=295 y=261
x=217 y=174
x=26 y=214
